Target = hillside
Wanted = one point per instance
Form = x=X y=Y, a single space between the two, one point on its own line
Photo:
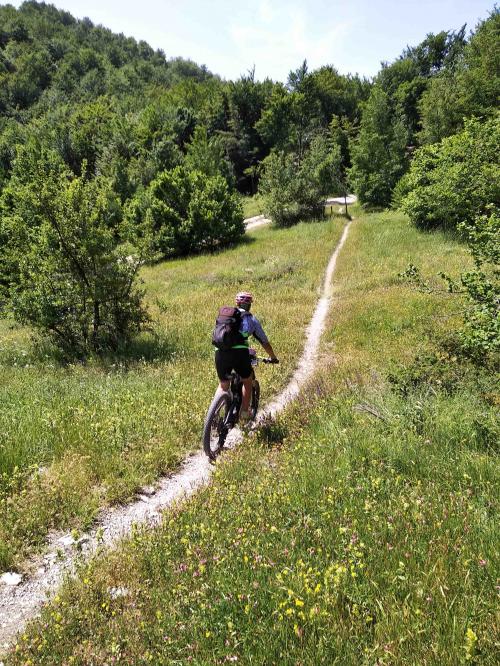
x=358 y=528
x=129 y=110
x=48 y=58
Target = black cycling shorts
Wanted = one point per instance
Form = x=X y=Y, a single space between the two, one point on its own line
x=233 y=359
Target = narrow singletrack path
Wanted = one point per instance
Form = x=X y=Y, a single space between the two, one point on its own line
x=22 y=602
x=255 y=222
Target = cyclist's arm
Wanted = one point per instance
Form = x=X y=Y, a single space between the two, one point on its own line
x=270 y=350
x=258 y=334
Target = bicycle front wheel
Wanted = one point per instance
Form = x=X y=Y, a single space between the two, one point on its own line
x=215 y=428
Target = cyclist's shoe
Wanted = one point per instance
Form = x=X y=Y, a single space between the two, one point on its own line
x=245 y=418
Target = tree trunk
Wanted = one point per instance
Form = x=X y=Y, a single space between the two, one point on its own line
x=96 y=325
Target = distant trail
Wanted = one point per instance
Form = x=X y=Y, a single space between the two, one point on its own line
x=260 y=220
x=254 y=222
x=306 y=365
x=19 y=604
x=348 y=199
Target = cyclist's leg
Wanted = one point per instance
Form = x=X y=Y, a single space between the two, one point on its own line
x=243 y=366
x=223 y=365
x=246 y=393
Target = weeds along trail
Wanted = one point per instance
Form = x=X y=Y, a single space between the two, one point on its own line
x=19 y=604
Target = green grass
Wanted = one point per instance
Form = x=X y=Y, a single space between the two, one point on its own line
x=253 y=206
x=359 y=529
x=77 y=437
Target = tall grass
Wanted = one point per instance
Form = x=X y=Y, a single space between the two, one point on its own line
x=78 y=436
x=359 y=529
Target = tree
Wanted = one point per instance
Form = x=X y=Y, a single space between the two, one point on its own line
x=439 y=111
x=436 y=52
x=468 y=85
x=390 y=120
x=73 y=280
x=337 y=95
x=82 y=136
x=295 y=189
x=242 y=104
x=342 y=132
x=378 y=154
x=479 y=77
x=289 y=122
x=321 y=170
x=296 y=78
x=206 y=154
x=279 y=185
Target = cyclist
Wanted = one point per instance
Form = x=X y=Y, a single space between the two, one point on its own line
x=238 y=357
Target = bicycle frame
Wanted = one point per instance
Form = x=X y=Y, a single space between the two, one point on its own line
x=231 y=402
x=235 y=389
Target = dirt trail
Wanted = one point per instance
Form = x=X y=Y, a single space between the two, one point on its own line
x=348 y=199
x=256 y=221
x=22 y=602
x=306 y=365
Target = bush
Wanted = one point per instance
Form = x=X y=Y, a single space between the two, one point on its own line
x=280 y=186
x=455 y=180
x=295 y=189
x=72 y=280
x=188 y=211
x=480 y=335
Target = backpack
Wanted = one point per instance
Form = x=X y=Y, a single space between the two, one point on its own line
x=226 y=333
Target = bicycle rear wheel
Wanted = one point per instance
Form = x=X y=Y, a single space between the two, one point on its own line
x=215 y=428
x=254 y=405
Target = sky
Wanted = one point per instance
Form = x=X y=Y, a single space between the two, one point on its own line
x=275 y=36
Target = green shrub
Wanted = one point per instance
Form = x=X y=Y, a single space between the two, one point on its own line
x=455 y=180
x=480 y=335
x=188 y=211
x=279 y=185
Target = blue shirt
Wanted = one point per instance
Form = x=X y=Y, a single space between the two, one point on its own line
x=250 y=325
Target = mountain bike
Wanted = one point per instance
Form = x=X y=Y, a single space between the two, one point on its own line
x=224 y=410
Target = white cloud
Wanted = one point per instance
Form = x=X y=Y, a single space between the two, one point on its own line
x=266 y=12
x=280 y=41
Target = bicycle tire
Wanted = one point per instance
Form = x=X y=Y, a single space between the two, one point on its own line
x=254 y=405
x=214 y=429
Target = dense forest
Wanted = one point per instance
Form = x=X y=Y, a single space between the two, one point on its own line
x=112 y=155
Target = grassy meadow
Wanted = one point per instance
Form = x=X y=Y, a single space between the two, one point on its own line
x=358 y=529
x=75 y=437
